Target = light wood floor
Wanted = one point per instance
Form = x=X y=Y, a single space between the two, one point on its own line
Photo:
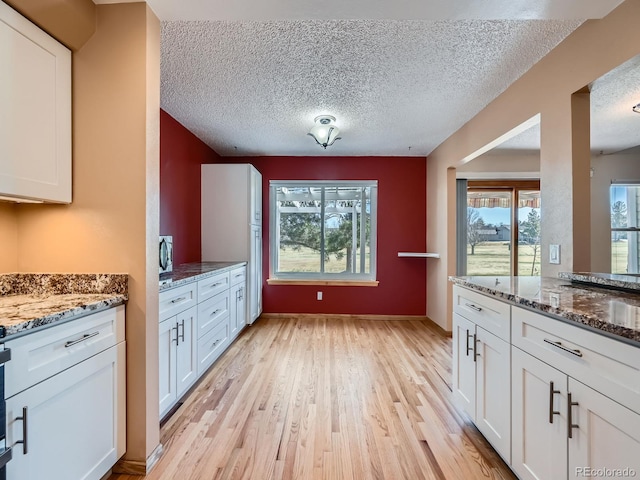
x=327 y=398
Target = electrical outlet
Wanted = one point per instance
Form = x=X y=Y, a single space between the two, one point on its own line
x=319 y=296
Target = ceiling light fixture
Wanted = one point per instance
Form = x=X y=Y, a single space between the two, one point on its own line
x=636 y=108
x=324 y=131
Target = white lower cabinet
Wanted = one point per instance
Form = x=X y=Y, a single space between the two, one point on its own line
x=566 y=429
x=178 y=358
x=206 y=315
x=71 y=426
x=493 y=391
x=482 y=368
x=556 y=401
x=237 y=302
x=606 y=436
x=539 y=400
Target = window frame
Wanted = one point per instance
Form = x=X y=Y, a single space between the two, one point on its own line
x=274 y=237
x=632 y=255
x=514 y=187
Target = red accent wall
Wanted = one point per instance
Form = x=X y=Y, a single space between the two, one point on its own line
x=181 y=154
x=401 y=227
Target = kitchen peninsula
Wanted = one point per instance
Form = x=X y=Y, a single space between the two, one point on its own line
x=548 y=369
x=63 y=345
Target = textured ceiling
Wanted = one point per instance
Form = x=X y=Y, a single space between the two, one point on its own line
x=249 y=77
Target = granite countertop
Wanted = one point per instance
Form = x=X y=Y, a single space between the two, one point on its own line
x=191 y=272
x=607 y=280
x=30 y=301
x=611 y=312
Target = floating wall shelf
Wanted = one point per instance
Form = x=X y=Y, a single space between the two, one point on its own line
x=418 y=255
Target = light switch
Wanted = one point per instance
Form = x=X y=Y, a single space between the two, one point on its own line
x=554 y=254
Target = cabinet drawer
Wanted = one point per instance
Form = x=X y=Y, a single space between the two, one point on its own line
x=491 y=314
x=238 y=275
x=212 y=311
x=607 y=365
x=40 y=355
x=177 y=300
x=211 y=286
x=211 y=346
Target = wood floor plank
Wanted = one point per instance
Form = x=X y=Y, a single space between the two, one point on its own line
x=325 y=397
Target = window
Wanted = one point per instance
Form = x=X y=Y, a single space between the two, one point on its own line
x=625 y=225
x=493 y=245
x=323 y=230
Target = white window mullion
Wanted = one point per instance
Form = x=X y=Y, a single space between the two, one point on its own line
x=363 y=229
x=322 y=209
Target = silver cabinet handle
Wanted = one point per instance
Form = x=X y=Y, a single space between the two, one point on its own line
x=242 y=293
x=473 y=307
x=86 y=336
x=239 y=275
x=216 y=311
x=24 y=431
x=570 y=424
x=180 y=299
x=214 y=285
x=475 y=348
x=177 y=339
x=469 y=349
x=181 y=335
x=552 y=412
x=559 y=345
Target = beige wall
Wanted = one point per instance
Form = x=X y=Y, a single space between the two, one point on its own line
x=8 y=237
x=502 y=166
x=72 y=22
x=547 y=88
x=112 y=225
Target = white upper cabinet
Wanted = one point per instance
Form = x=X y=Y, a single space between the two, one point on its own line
x=35 y=112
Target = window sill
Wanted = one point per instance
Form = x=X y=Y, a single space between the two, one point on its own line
x=331 y=283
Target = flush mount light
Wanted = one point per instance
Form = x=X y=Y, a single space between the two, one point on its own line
x=324 y=131
x=636 y=108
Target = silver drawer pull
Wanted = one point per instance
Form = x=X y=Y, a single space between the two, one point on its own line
x=215 y=312
x=473 y=307
x=180 y=299
x=86 y=336
x=23 y=418
x=217 y=284
x=559 y=345
x=240 y=275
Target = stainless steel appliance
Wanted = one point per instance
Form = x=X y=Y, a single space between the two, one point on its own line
x=166 y=253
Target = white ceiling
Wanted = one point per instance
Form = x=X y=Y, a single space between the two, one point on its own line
x=249 y=77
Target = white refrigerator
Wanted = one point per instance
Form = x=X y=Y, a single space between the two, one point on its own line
x=232 y=223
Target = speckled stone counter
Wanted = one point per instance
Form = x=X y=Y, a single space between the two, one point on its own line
x=191 y=272
x=607 y=280
x=613 y=313
x=30 y=301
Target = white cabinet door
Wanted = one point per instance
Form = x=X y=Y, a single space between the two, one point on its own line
x=607 y=436
x=539 y=448
x=256 y=196
x=238 y=310
x=186 y=354
x=255 y=274
x=71 y=427
x=493 y=391
x=464 y=368
x=35 y=101
x=167 y=364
